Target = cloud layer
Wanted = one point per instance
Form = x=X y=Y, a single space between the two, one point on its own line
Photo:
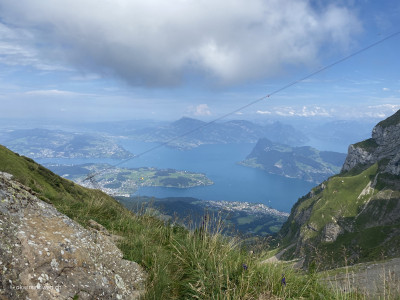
x=328 y=111
x=158 y=43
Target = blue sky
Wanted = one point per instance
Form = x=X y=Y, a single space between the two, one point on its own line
x=126 y=59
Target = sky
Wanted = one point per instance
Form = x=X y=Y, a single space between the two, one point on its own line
x=90 y=60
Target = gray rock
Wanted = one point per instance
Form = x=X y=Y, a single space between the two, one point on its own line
x=330 y=232
x=46 y=255
x=393 y=166
x=357 y=156
x=387 y=140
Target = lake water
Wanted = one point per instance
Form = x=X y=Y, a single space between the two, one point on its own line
x=232 y=182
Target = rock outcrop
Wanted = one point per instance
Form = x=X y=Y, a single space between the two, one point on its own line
x=384 y=144
x=46 y=255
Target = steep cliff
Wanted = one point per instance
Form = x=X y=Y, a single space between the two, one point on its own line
x=384 y=144
x=355 y=215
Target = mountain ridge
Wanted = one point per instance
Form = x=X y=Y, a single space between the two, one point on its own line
x=384 y=144
x=234 y=131
x=353 y=216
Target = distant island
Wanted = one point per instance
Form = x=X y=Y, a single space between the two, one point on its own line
x=304 y=163
x=44 y=143
x=126 y=181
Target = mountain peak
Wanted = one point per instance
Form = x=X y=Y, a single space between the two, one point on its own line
x=188 y=120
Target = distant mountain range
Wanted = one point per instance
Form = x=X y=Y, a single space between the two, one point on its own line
x=188 y=133
x=44 y=143
x=305 y=163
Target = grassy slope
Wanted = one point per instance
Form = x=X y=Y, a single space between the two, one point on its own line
x=340 y=201
x=392 y=120
x=180 y=264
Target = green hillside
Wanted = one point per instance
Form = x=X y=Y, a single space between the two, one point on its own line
x=341 y=201
x=181 y=264
x=354 y=216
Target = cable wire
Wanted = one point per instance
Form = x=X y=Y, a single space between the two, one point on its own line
x=91 y=176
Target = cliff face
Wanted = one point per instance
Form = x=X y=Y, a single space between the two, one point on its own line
x=355 y=215
x=384 y=144
x=46 y=255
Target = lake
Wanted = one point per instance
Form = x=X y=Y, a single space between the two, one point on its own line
x=232 y=182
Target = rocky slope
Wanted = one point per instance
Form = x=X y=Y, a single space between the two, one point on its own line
x=46 y=255
x=353 y=216
x=384 y=144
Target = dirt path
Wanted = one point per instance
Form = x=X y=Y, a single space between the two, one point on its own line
x=277 y=256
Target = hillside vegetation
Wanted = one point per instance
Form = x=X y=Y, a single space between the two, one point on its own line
x=181 y=264
x=345 y=220
x=354 y=216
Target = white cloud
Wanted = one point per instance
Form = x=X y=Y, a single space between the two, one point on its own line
x=199 y=110
x=263 y=112
x=303 y=111
x=157 y=42
x=51 y=93
x=380 y=111
x=391 y=108
x=339 y=112
x=385 y=89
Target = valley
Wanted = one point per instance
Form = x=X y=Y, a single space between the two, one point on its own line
x=233 y=218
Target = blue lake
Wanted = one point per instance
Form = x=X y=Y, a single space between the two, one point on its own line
x=232 y=182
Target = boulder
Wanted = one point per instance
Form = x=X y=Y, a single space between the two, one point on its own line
x=46 y=255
